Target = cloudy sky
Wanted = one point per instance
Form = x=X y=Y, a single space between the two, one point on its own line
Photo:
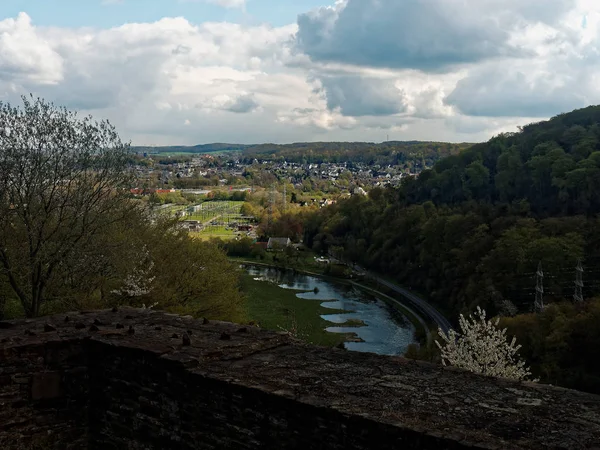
x=252 y=71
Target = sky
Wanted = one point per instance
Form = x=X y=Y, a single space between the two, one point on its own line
x=186 y=72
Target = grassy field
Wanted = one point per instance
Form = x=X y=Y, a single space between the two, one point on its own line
x=274 y=308
x=220 y=232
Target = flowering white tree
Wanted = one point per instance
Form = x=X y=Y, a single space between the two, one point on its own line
x=138 y=282
x=482 y=348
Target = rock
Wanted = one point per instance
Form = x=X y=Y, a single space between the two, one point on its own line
x=130 y=330
x=115 y=309
x=158 y=328
x=119 y=326
x=67 y=318
x=94 y=328
x=205 y=321
x=79 y=326
x=186 y=340
x=225 y=337
x=48 y=328
x=174 y=336
x=243 y=330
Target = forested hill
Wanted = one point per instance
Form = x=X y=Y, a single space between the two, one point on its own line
x=473 y=229
x=391 y=152
x=554 y=165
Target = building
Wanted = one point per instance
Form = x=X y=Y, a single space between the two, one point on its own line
x=278 y=243
x=192 y=225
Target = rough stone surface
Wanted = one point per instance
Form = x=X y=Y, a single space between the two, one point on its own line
x=102 y=387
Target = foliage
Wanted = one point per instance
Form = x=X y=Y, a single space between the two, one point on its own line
x=61 y=187
x=71 y=237
x=562 y=343
x=482 y=348
x=472 y=230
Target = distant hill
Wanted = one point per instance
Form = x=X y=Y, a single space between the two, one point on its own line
x=201 y=148
x=391 y=152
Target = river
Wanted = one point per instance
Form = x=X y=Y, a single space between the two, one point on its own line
x=386 y=331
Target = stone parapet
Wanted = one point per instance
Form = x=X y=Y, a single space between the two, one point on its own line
x=141 y=379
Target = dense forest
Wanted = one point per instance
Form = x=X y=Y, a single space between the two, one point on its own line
x=473 y=229
x=392 y=152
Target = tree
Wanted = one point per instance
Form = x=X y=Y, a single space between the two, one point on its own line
x=62 y=183
x=482 y=348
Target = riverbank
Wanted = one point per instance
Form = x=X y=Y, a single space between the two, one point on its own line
x=265 y=307
x=425 y=325
x=274 y=308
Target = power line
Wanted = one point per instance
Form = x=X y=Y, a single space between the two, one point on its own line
x=578 y=282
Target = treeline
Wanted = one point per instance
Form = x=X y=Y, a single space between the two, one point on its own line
x=473 y=229
x=425 y=154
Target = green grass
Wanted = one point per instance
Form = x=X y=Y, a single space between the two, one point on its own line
x=214 y=232
x=274 y=308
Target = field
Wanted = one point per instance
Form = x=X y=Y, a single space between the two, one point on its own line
x=222 y=233
x=219 y=219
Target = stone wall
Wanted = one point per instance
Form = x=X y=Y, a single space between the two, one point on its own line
x=43 y=394
x=146 y=380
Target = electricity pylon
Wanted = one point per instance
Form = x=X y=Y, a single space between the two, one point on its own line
x=539 y=289
x=578 y=282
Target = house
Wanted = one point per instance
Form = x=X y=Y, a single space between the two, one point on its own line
x=278 y=243
x=245 y=227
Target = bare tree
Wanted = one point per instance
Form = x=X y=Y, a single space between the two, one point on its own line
x=62 y=181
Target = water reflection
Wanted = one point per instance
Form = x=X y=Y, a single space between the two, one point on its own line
x=386 y=331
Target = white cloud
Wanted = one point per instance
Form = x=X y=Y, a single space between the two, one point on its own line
x=223 y=3
x=303 y=82
x=25 y=56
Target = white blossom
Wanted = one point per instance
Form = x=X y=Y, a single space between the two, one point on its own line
x=138 y=283
x=482 y=348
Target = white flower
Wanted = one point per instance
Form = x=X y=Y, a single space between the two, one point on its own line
x=482 y=348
